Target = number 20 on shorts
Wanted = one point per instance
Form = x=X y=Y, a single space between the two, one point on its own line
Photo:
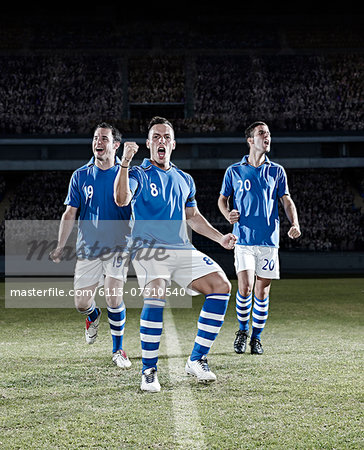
x=268 y=264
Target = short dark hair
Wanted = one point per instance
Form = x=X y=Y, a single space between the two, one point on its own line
x=250 y=129
x=159 y=120
x=114 y=131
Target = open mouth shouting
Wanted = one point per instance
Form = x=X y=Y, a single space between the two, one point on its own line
x=161 y=153
x=266 y=143
x=100 y=151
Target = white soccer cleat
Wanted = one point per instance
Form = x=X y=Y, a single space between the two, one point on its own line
x=150 y=381
x=92 y=328
x=121 y=360
x=200 y=369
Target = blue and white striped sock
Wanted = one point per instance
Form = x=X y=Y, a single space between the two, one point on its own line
x=92 y=312
x=260 y=316
x=243 y=308
x=116 y=317
x=151 y=326
x=209 y=323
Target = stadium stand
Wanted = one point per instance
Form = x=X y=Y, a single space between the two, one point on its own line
x=225 y=73
x=57 y=94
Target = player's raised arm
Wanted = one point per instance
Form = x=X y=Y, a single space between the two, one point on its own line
x=65 y=229
x=202 y=226
x=122 y=193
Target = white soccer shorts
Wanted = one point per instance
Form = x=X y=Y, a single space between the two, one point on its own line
x=263 y=260
x=91 y=271
x=181 y=266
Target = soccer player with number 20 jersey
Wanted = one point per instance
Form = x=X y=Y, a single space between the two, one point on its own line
x=255 y=185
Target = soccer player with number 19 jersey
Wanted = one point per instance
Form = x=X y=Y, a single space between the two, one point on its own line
x=255 y=185
x=163 y=199
x=103 y=227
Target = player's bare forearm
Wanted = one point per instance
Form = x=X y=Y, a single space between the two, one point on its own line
x=202 y=226
x=65 y=228
x=223 y=204
x=122 y=194
x=291 y=213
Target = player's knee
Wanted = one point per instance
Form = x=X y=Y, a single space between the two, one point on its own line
x=262 y=288
x=155 y=289
x=83 y=300
x=261 y=294
x=222 y=285
x=245 y=290
x=114 y=301
x=81 y=304
x=226 y=289
x=215 y=282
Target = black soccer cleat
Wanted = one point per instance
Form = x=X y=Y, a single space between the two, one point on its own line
x=240 y=341
x=256 y=347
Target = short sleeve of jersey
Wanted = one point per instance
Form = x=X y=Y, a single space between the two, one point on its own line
x=226 y=187
x=191 y=200
x=282 y=183
x=135 y=181
x=73 y=196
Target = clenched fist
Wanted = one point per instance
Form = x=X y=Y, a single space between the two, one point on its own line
x=228 y=241
x=56 y=255
x=130 y=149
x=234 y=216
x=294 y=232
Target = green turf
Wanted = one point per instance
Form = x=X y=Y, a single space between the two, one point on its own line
x=305 y=392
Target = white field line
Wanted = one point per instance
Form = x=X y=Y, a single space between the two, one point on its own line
x=189 y=432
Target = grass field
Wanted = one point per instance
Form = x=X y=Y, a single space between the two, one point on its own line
x=305 y=392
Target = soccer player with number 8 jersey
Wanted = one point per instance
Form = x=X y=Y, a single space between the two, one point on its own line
x=163 y=199
x=255 y=185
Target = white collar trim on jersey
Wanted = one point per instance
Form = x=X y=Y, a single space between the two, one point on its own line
x=245 y=160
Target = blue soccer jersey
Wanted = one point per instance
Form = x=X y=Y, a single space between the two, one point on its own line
x=255 y=192
x=103 y=226
x=160 y=197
